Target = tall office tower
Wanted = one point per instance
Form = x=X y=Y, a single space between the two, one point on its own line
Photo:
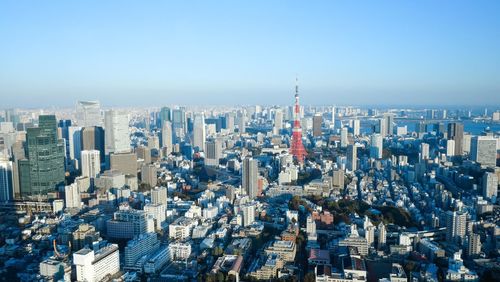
x=483 y=150
x=63 y=127
x=376 y=146
x=386 y=124
x=159 y=195
x=456 y=133
x=424 y=151
x=370 y=234
x=213 y=152
x=450 y=148
x=455 y=226
x=43 y=171
x=6 y=185
x=94 y=266
x=88 y=113
x=199 y=134
x=297 y=149
x=92 y=138
x=12 y=116
x=143 y=153
x=333 y=117
x=352 y=157
x=249 y=177
x=179 y=125
x=473 y=244
x=278 y=121
x=490 y=185
x=167 y=137
x=430 y=114
x=382 y=235
x=91 y=163
x=248 y=211
x=317 y=121
x=18 y=153
x=72 y=196
x=116 y=131
x=420 y=127
x=229 y=122
x=338 y=178
x=344 y=140
x=149 y=175
x=356 y=127
x=75 y=145
x=164 y=115
x=242 y=121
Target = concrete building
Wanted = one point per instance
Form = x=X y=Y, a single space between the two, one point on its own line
x=94 y=266
x=91 y=164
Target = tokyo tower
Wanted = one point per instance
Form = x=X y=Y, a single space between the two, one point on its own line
x=297 y=148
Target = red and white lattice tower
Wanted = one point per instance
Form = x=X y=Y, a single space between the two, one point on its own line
x=297 y=148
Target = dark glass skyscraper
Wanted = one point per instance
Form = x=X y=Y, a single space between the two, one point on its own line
x=43 y=171
x=456 y=132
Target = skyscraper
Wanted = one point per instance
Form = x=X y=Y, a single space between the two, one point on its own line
x=356 y=127
x=213 y=152
x=456 y=133
x=424 y=151
x=344 y=140
x=386 y=124
x=376 y=146
x=72 y=196
x=278 y=121
x=249 y=177
x=166 y=137
x=91 y=165
x=484 y=150
x=199 y=132
x=352 y=157
x=164 y=115
x=6 y=185
x=490 y=185
x=92 y=138
x=75 y=145
x=229 y=122
x=317 y=121
x=88 y=113
x=450 y=148
x=117 y=136
x=179 y=125
x=43 y=171
x=455 y=226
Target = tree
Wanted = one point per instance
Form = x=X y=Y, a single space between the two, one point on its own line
x=310 y=277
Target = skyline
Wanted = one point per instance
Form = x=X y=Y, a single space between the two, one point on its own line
x=426 y=53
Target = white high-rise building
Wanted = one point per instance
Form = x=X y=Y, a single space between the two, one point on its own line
x=249 y=179
x=376 y=146
x=230 y=122
x=278 y=121
x=117 y=137
x=490 y=185
x=88 y=113
x=344 y=140
x=72 y=196
x=311 y=226
x=91 y=164
x=424 y=151
x=140 y=246
x=167 y=137
x=333 y=117
x=157 y=211
x=94 y=266
x=159 y=195
x=199 y=132
x=455 y=226
x=248 y=211
x=382 y=235
x=484 y=150
x=356 y=127
x=213 y=152
x=450 y=148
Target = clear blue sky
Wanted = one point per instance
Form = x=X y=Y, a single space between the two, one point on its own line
x=244 y=52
